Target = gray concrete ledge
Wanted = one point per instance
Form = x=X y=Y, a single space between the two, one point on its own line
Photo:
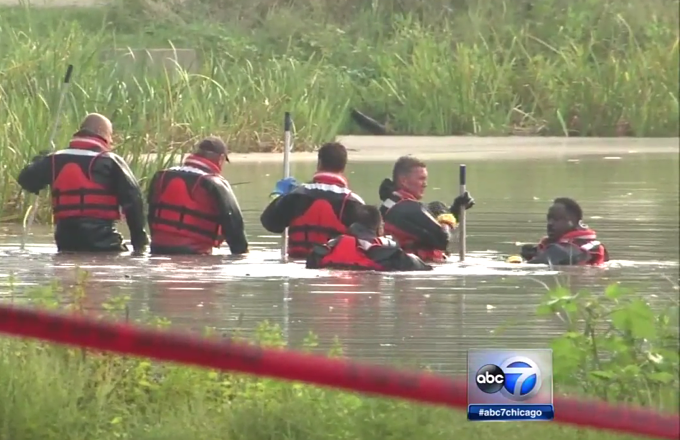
x=387 y=148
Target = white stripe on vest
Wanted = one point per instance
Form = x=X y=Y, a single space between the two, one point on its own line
x=78 y=152
x=333 y=188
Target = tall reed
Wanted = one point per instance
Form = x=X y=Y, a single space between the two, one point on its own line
x=580 y=68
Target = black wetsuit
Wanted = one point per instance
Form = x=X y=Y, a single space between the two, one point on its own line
x=413 y=224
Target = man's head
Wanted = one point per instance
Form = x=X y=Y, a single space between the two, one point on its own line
x=410 y=174
x=97 y=125
x=369 y=217
x=332 y=158
x=563 y=216
x=214 y=149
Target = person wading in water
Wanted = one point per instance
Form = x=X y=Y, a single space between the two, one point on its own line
x=569 y=241
x=410 y=222
x=90 y=186
x=192 y=208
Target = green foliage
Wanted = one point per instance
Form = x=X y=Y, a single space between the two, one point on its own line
x=582 y=68
x=616 y=347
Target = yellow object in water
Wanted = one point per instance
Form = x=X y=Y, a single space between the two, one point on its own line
x=447 y=219
x=514 y=259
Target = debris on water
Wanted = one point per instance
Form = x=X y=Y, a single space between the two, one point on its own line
x=199 y=305
x=611 y=158
x=536 y=198
x=490 y=307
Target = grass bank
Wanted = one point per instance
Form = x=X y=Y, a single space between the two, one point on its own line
x=614 y=348
x=579 y=68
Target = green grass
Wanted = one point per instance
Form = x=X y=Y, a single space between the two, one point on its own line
x=583 y=68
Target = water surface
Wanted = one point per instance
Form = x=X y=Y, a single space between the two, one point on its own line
x=432 y=318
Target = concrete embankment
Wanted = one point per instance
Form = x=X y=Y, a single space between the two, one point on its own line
x=385 y=148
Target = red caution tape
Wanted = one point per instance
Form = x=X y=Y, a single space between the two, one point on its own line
x=318 y=370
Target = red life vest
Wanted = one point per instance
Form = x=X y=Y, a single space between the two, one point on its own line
x=408 y=242
x=74 y=193
x=319 y=223
x=349 y=252
x=586 y=240
x=183 y=213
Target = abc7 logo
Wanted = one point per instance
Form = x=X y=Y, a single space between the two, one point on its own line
x=517 y=378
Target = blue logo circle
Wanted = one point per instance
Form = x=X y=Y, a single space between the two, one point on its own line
x=522 y=378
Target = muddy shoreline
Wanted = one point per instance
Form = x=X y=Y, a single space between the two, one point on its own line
x=387 y=148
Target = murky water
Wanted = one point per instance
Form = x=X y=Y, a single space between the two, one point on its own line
x=632 y=201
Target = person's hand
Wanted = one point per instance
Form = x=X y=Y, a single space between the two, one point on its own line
x=514 y=259
x=463 y=200
x=437 y=208
x=139 y=242
x=528 y=251
x=447 y=219
x=284 y=186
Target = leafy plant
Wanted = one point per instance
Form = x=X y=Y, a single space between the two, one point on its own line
x=615 y=346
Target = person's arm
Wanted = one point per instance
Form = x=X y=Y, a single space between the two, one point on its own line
x=528 y=251
x=349 y=211
x=394 y=258
x=280 y=212
x=560 y=254
x=36 y=175
x=231 y=218
x=131 y=201
x=414 y=219
x=316 y=255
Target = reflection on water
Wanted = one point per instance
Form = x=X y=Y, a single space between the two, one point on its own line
x=429 y=318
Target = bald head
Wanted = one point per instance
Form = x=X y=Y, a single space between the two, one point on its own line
x=98 y=125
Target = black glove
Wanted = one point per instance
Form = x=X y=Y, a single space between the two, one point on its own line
x=437 y=208
x=528 y=251
x=140 y=241
x=386 y=189
x=463 y=200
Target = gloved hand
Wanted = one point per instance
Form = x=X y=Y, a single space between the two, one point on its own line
x=464 y=200
x=387 y=187
x=436 y=208
x=284 y=186
x=528 y=251
x=140 y=241
x=447 y=219
x=514 y=259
